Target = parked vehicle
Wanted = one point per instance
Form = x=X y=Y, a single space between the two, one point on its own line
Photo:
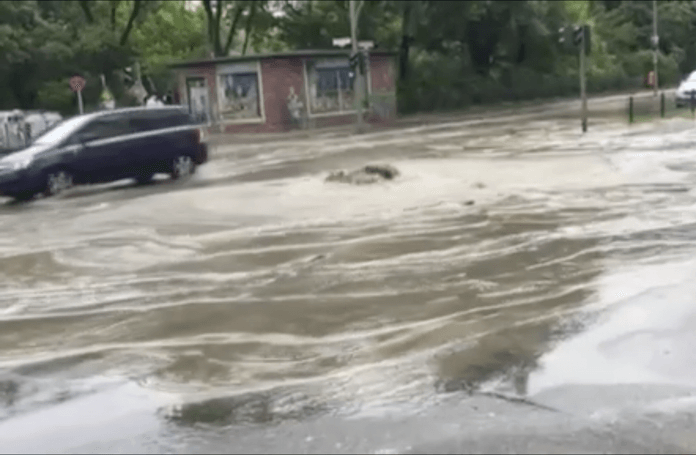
x=103 y=147
x=36 y=122
x=683 y=95
x=12 y=132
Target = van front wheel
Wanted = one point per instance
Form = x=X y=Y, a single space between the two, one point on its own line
x=57 y=181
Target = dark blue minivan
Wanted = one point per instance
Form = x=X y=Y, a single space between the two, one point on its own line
x=104 y=147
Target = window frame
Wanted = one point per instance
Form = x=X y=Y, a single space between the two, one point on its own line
x=336 y=64
x=240 y=68
x=197 y=81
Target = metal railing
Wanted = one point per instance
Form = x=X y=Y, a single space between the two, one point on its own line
x=665 y=105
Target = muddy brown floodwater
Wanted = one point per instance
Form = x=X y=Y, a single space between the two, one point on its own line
x=258 y=308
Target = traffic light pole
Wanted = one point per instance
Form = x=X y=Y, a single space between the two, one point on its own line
x=583 y=91
x=354 y=10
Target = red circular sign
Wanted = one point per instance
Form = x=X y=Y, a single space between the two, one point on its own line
x=77 y=83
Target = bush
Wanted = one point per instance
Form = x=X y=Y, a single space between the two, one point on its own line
x=57 y=96
x=638 y=64
x=440 y=83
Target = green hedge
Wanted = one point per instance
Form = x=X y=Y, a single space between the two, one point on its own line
x=438 y=83
x=422 y=96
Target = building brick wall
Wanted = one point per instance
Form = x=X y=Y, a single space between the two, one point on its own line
x=382 y=72
x=278 y=75
x=383 y=95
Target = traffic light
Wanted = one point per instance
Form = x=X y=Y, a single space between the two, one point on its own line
x=581 y=36
x=353 y=61
x=357 y=62
x=578 y=33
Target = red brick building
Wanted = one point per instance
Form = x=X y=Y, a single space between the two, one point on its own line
x=260 y=93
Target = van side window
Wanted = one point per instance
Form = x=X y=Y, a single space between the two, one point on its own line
x=105 y=128
x=141 y=123
x=150 y=121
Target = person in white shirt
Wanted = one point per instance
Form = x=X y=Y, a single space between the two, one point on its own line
x=153 y=101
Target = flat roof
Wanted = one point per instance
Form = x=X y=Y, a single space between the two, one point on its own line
x=301 y=53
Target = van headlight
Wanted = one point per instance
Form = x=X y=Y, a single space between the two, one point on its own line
x=21 y=164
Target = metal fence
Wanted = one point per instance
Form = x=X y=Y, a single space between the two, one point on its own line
x=663 y=106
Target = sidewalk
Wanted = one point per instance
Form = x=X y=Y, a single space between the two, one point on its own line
x=422 y=119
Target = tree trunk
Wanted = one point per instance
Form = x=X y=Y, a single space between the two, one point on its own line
x=247 y=30
x=233 y=29
x=131 y=21
x=213 y=26
x=88 y=12
x=114 y=6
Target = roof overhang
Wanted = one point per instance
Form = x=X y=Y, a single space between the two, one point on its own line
x=279 y=55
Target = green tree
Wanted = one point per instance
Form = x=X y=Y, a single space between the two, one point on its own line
x=31 y=46
x=170 y=33
x=225 y=18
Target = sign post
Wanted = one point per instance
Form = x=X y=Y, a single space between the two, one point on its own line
x=77 y=83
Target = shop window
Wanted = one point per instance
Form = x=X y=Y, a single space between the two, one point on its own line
x=239 y=96
x=331 y=87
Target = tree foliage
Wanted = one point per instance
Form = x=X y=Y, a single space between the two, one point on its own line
x=227 y=18
x=451 y=53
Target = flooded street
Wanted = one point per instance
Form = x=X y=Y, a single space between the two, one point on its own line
x=518 y=278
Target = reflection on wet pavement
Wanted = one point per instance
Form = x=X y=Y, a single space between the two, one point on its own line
x=257 y=296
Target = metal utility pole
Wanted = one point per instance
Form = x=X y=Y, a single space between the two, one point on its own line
x=354 y=9
x=583 y=90
x=655 y=42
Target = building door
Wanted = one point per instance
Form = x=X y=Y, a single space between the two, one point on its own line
x=198 y=100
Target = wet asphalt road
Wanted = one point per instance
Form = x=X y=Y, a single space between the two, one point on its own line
x=258 y=309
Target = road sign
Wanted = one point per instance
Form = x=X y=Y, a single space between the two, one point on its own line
x=341 y=42
x=366 y=44
x=77 y=83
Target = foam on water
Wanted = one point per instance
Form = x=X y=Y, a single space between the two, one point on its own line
x=366 y=297
x=646 y=335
